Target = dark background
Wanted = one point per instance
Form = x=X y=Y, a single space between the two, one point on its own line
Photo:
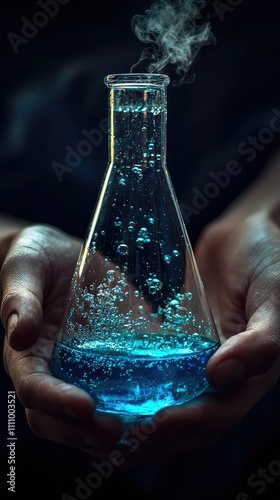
x=53 y=89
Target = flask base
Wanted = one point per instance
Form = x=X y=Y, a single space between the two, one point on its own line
x=136 y=385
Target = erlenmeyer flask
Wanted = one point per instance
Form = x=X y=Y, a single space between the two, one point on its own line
x=138 y=331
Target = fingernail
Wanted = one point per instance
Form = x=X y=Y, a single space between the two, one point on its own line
x=11 y=324
x=227 y=372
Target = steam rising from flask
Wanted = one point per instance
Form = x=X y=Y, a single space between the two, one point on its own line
x=176 y=31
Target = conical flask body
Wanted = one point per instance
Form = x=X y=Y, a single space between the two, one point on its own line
x=138 y=330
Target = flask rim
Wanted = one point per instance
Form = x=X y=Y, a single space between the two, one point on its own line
x=136 y=79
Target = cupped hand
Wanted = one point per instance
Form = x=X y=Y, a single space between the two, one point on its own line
x=35 y=278
x=239 y=262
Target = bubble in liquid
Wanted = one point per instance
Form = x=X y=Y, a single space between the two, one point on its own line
x=189 y=295
x=131 y=226
x=180 y=316
x=174 y=303
x=122 y=249
x=176 y=253
x=103 y=233
x=151 y=220
x=118 y=222
x=122 y=181
x=180 y=296
x=111 y=274
x=136 y=293
x=167 y=258
x=158 y=157
x=154 y=316
x=137 y=170
x=157 y=284
x=140 y=243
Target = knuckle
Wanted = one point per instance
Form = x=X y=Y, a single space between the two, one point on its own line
x=17 y=297
x=7 y=305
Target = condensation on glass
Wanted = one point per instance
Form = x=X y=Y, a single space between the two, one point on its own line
x=138 y=331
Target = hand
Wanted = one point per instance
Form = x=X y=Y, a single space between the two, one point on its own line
x=239 y=262
x=35 y=278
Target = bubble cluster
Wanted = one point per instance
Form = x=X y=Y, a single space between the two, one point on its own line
x=143 y=237
x=138 y=172
x=154 y=285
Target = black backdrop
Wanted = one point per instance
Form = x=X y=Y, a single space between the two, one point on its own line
x=51 y=90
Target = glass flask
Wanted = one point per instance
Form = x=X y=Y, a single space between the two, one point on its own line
x=138 y=330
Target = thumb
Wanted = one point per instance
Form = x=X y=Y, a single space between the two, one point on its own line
x=249 y=353
x=23 y=281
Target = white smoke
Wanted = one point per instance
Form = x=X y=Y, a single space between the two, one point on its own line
x=176 y=31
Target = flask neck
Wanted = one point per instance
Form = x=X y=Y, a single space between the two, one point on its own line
x=137 y=123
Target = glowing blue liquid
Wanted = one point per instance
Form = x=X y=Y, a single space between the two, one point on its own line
x=141 y=382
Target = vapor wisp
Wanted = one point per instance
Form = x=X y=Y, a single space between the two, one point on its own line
x=176 y=31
